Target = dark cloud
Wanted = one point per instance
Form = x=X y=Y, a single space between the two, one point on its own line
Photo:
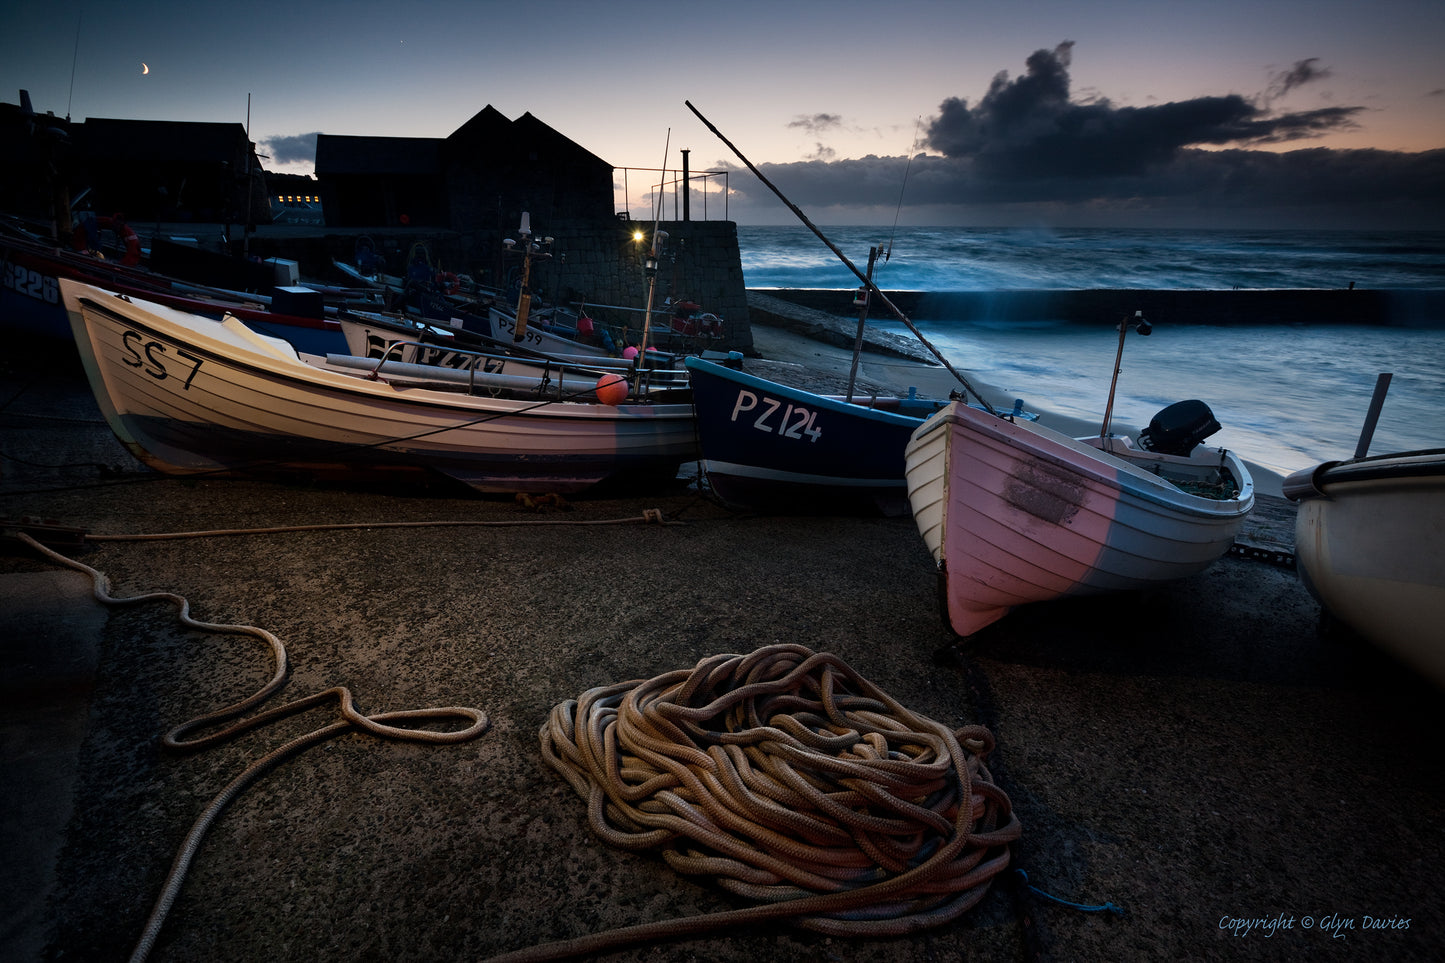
x=1028 y=127
x=817 y=123
x=1303 y=72
x=1028 y=148
x=287 y=150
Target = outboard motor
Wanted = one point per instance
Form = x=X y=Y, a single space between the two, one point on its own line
x=1176 y=430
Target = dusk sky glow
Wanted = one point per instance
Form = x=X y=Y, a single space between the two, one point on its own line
x=1118 y=112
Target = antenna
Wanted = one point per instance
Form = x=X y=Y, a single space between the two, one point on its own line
x=74 y=59
x=912 y=149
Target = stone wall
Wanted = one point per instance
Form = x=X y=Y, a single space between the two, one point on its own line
x=602 y=264
x=595 y=261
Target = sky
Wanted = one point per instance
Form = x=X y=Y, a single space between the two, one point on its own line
x=1038 y=113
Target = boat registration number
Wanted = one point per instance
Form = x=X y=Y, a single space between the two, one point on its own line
x=510 y=327
x=152 y=357
x=33 y=284
x=795 y=421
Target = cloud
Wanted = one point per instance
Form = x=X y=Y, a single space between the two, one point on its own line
x=817 y=123
x=291 y=150
x=1303 y=72
x=1029 y=127
x=1028 y=149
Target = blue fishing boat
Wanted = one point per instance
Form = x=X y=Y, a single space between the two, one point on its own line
x=770 y=447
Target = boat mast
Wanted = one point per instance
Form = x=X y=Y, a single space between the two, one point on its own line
x=1144 y=328
x=524 y=298
x=650 y=265
x=862 y=302
x=1372 y=416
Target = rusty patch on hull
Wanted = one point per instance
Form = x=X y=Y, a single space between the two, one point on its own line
x=1051 y=496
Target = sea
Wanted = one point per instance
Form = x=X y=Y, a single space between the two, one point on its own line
x=1286 y=395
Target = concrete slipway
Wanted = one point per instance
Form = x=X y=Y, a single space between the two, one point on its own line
x=1241 y=784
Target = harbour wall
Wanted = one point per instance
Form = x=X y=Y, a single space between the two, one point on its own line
x=1403 y=307
x=598 y=262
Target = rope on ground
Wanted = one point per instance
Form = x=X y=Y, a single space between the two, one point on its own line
x=1023 y=878
x=649 y=516
x=788 y=779
x=389 y=725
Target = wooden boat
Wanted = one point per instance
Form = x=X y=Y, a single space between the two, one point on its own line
x=1015 y=512
x=189 y=395
x=770 y=447
x=30 y=301
x=1370 y=546
x=385 y=336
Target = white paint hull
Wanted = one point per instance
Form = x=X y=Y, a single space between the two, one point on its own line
x=1370 y=546
x=191 y=395
x=1015 y=512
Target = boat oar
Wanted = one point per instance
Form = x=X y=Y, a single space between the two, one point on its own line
x=1372 y=416
x=867 y=281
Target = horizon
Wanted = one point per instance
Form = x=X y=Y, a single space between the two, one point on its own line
x=1302 y=113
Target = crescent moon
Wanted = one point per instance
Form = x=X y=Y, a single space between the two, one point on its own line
x=144 y=69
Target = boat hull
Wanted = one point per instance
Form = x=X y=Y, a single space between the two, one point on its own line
x=187 y=395
x=31 y=303
x=1370 y=547
x=1015 y=513
x=769 y=447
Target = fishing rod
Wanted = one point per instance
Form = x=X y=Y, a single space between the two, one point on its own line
x=867 y=281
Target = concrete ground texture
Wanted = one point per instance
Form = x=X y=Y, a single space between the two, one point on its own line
x=1242 y=780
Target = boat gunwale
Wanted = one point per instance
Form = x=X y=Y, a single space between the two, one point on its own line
x=1153 y=489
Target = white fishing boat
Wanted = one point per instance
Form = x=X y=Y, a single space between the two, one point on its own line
x=388 y=339
x=1370 y=546
x=1016 y=512
x=191 y=395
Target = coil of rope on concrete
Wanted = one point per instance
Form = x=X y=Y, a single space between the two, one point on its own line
x=785 y=777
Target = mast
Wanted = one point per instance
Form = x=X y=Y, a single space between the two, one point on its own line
x=862 y=302
x=650 y=266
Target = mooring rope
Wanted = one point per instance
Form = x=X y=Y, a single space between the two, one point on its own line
x=390 y=725
x=786 y=778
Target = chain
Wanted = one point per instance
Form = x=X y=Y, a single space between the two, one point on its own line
x=1270 y=556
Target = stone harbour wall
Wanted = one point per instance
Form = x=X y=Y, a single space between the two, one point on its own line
x=599 y=262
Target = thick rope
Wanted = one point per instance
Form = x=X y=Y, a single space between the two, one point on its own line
x=790 y=780
x=389 y=725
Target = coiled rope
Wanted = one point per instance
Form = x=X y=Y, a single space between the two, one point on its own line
x=788 y=779
x=389 y=725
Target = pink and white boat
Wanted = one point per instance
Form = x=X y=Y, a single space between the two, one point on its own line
x=1016 y=512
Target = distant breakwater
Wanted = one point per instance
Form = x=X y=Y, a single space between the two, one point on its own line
x=1402 y=307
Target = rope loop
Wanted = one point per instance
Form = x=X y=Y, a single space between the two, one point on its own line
x=789 y=779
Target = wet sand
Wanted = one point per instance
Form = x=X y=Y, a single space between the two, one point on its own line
x=1242 y=784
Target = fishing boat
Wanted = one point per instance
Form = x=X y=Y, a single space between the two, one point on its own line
x=31 y=305
x=1370 y=546
x=771 y=447
x=1015 y=512
x=189 y=395
x=754 y=461
x=370 y=335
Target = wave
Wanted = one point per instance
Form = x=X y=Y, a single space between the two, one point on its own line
x=935 y=258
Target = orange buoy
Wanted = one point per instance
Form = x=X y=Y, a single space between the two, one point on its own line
x=612 y=389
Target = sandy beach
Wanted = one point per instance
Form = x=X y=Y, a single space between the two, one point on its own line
x=1237 y=780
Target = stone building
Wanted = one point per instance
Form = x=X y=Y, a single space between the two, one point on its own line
x=467 y=192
